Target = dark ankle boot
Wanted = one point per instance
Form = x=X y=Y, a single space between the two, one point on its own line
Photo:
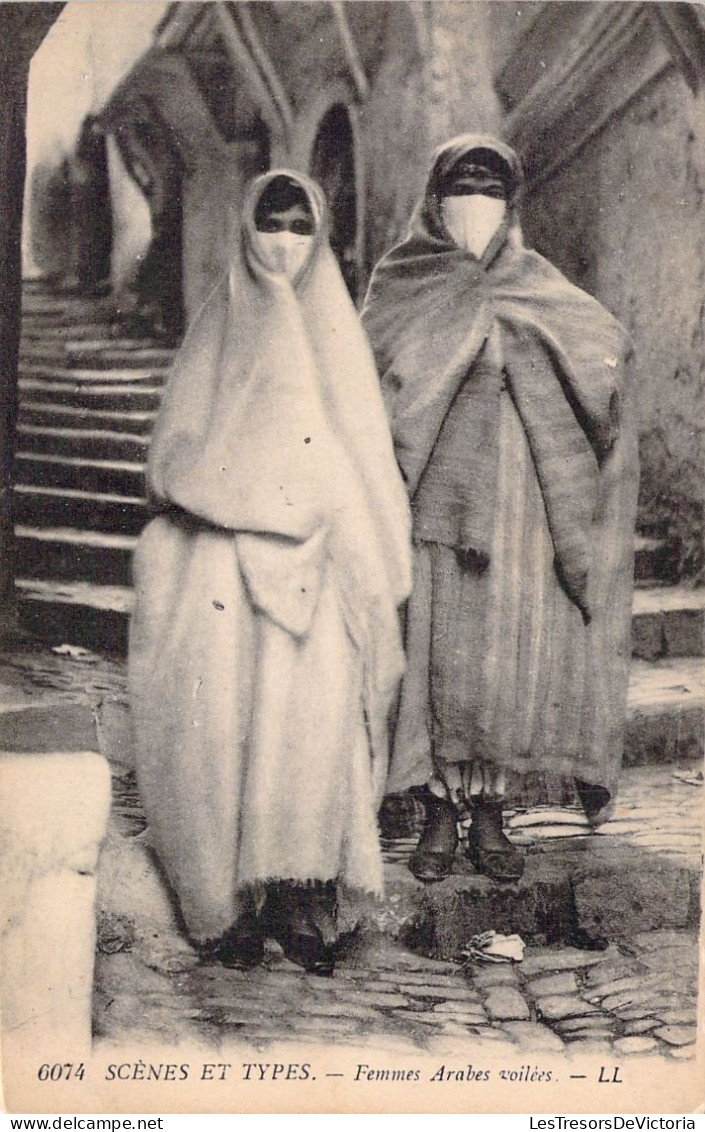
x=489 y=849
x=433 y=857
x=242 y=945
x=301 y=918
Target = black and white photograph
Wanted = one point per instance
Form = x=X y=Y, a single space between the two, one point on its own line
x=352 y=619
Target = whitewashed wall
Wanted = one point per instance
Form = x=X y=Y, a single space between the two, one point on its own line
x=83 y=58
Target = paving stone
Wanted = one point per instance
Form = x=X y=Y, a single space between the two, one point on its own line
x=375 y=986
x=563 y=983
x=627 y=999
x=601 y=1035
x=640 y=1026
x=590 y=1047
x=532 y=1036
x=457 y=994
x=373 y=998
x=678 y=1017
x=492 y=1033
x=662 y=938
x=655 y=981
x=506 y=1003
x=458 y=1007
x=638 y=1043
x=422 y=1018
x=609 y=971
x=614 y=987
x=677 y=1035
x=386 y=954
x=336 y=1009
x=589 y=1022
x=682 y=961
x=556 y=1007
x=682 y=1052
x=327 y=1026
x=659 y=987
x=411 y=978
x=282 y=1006
x=465 y=1018
x=565 y=959
x=454 y=1030
x=356 y=975
x=636 y=1013
x=501 y=975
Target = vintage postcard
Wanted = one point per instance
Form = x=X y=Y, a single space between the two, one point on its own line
x=352 y=698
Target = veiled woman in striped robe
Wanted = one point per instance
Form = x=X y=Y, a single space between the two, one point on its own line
x=505 y=388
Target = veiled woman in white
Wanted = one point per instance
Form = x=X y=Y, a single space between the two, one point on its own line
x=265 y=648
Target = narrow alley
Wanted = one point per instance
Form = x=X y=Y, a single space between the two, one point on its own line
x=89 y=390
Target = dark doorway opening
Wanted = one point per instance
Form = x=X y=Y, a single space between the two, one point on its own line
x=91 y=207
x=155 y=164
x=333 y=166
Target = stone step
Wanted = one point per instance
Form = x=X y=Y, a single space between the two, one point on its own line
x=639 y=873
x=105 y=355
x=111 y=476
x=655 y=560
x=666 y=706
x=63 y=314
x=82 y=613
x=98 y=396
x=666 y=712
x=668 y=621
x=90 y=338
x=35 y=331
x=575 y=890
x=47 y=414
x=83 y=375
x=94 y=444
x=68 y=507
x=75 y=555
x=65 y=300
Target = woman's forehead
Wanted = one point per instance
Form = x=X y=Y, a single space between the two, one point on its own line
x=291 y=211
x=480 y=160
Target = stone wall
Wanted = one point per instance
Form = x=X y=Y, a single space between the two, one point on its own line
x=73 y=73
x=614 y=142
x=425 y=67
x=624 y=220
x=433 y=83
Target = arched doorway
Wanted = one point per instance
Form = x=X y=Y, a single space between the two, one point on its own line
x=91 y=207
x=333 y=166
x=156 y=166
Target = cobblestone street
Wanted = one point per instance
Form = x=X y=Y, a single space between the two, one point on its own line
x=636 y=997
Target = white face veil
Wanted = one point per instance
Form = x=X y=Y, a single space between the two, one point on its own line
x=472 y=220
x=285 y=251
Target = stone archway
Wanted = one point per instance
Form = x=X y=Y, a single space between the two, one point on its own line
x=333 y=165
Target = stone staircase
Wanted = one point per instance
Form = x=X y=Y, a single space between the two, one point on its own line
x=89 y=391
x=666 y=716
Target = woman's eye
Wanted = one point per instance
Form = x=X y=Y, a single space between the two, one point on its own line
x=302 y=228
x=270 y=224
